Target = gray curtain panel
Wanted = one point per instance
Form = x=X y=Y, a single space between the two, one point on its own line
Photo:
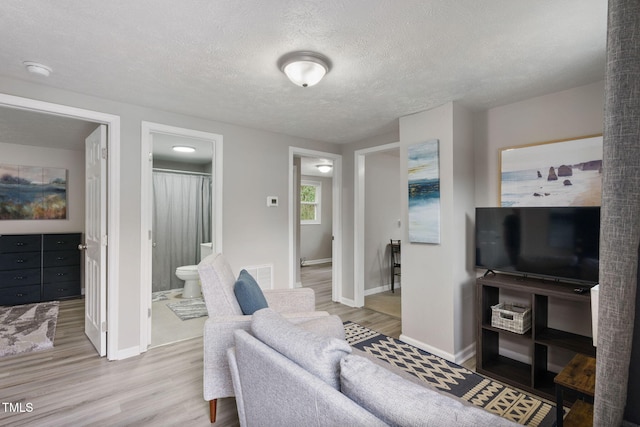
x=620 y=225
x=181 y=222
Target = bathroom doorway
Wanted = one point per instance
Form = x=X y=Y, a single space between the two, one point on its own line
x=181 y=207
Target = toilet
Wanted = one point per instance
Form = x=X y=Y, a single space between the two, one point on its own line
x=189 y=273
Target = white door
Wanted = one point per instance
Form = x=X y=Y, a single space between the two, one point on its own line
x=95 y=275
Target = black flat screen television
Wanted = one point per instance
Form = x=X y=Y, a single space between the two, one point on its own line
x=560 y=243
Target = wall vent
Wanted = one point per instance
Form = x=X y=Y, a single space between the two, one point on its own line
x=263 y=275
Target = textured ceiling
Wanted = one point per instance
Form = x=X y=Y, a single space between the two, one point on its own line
x=217 y=59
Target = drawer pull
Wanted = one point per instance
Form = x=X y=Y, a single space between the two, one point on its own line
x=19 y=261
x=61 y=289
x=61 y=242
x=61 y=274
x=19 y=244
x=18 y=278
x=60 y=258
x=19 y=295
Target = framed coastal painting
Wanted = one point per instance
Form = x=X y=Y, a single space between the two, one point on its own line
x=32 y=192
x=556 y=173
x=424 y=192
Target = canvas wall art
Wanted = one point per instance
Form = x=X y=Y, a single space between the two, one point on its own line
x=424 y=192
x=557 y=173
x=32 y=192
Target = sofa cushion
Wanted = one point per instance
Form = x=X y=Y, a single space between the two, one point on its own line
x=320 y=355
x=399 y=402
x=249 y=294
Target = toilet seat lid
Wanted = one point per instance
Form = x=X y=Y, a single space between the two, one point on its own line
x=188 y=268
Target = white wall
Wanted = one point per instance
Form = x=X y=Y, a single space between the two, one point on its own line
x=382 y=213
x=315 y=239
x=437 y=280
x=567 y=114
x=73 y=161
x=255 y=166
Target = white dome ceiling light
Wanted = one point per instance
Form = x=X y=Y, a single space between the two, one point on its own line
x=37 y=68
x=324 y=168
x=183 y=149
x=304 y=68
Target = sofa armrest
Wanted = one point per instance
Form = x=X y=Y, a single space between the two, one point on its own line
x=291 y=300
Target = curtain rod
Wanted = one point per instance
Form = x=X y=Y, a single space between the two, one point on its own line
x=182 y=172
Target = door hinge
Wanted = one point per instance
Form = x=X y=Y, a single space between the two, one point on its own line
x=104 y=326
x=150 y=235
x=105 y=240
x=150 y=156
x=149 y=312
x=104 y=153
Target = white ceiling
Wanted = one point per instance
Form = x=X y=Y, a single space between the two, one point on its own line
x=217 y=59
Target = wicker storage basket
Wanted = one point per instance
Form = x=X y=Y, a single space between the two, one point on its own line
x=511 y=317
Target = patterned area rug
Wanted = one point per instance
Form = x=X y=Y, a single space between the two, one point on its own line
x=27 y=328
x=189 y=308
x=451 y=378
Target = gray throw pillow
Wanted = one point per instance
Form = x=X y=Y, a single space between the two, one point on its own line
x=248 y=293
x=319 y=355
x=399 y=402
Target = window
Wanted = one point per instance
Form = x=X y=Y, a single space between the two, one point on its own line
x=310 y=196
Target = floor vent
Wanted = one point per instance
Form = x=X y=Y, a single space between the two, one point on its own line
x=263 y=275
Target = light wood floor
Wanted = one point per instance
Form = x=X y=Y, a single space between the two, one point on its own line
x=70 y=385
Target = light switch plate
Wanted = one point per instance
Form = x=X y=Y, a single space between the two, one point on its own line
x=272 y=201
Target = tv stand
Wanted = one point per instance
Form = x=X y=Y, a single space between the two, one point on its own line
x=534 y=377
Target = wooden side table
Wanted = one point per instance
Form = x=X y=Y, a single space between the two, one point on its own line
x=579 y=376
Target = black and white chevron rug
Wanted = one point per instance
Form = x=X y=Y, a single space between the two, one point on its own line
x=484 y=392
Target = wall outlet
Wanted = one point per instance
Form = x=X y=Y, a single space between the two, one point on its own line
x=272 y=201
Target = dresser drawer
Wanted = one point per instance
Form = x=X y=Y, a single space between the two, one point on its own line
x=61 y=258
x=31 y=276
x=53 y=291
x=20 y=260
x=20 y=243
x=60 y=242
x=61 y=274
x=20 y=295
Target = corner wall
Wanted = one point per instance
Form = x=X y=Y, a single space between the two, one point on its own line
x=437 y=291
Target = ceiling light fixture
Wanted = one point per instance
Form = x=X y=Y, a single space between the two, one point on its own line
x=183 y=149
x=324 y=168
x=304 y=68
x=37 y=68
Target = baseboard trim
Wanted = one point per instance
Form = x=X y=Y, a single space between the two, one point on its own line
x=347 y=302
x=426 y=347
x=316 y=261
x=127 y=352
x=465 y=354
x=379 y=289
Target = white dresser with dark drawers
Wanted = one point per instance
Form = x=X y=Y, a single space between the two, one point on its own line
x=39 y=267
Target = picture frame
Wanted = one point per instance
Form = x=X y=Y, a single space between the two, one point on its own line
x=424 y=192
x=32 y=192
x=555 y=173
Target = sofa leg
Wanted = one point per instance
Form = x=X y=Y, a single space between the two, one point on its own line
x=212 y=410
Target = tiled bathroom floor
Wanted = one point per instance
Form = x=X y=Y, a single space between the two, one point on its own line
x=166 y=327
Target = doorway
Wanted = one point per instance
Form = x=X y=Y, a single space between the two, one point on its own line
x=377 y=221
x=303 y=162
x=107 y=288
x=181 y=232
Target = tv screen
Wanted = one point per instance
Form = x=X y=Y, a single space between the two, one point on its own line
x=561 y=243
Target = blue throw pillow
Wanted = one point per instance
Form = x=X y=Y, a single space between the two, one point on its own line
x=248 y=293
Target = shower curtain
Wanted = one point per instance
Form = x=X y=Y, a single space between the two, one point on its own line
x=181 y=222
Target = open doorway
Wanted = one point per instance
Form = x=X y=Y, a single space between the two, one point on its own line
x=377 y=224
x=28 y=115
x=315 y=233
x=182 y=218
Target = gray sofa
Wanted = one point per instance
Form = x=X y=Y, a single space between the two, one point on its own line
x=307 y=375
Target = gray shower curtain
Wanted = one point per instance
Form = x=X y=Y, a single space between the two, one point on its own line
x=181 y=222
